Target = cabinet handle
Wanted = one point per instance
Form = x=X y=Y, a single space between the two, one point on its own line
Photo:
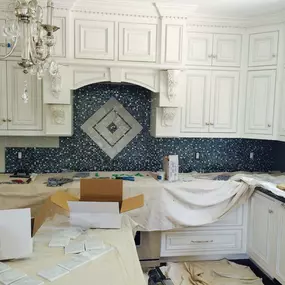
x=4 y=120
x=210 y=56
x=214 y=56
x=211 y=124
x=207 y=124
x=9 y=120
x=269 y=126
x=274 y=55
x=270 y=211
x=202 y=241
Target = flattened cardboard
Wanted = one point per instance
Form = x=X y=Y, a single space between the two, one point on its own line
x=101 y=190
x=132 y=203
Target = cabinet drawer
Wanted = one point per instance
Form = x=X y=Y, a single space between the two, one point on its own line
x=201 y=242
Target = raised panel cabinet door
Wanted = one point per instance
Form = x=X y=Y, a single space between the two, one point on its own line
x=59 y=50
x=22 y=115
x=3 y=96
x=227 y=50
x=199 y=48
x=280 y=263
x=195 y=113
x=224 y=102
x=137 y=42
x=260 y=102
x=2 y=39
x=94 y=39
x=262 y=232
x=263 y=49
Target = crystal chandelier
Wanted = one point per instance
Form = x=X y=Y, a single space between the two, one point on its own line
x=24 y=24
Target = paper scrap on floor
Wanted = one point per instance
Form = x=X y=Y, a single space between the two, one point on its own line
x=221 y=272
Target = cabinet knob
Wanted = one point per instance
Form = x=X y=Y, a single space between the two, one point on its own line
x=4 y=120
x=210 y=56
x=211 y=124
x=274 y=55
x=207 y=124
x=9 y=120
x=270 y=211
x=214 y=56
x=269 y=126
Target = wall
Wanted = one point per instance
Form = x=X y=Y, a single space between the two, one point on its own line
x=80 y=153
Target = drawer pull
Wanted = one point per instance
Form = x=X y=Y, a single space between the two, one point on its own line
x=201 y=241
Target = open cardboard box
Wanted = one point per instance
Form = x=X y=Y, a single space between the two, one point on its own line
x=17 y=228
x=101 y=204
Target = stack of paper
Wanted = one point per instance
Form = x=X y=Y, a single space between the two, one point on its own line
x=72 y=233
x=74 y=262
x=28 y=281
x=59 y=241
x=9 y=276
x=53 y=273
x=4 y=267
x=74 y=247
x=94 y=243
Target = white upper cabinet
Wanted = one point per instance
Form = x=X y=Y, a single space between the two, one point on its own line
x=262 y=232
x=195 y=114
x=260 y=102
x=59 y=49
x=200 y=48
x=226 y=50
x=21 y=115
x=216 y=50
x=3 y=96
x=137 y=42
x=263 y=49
x=224 y=102
x=94 y=39
x=280 y=268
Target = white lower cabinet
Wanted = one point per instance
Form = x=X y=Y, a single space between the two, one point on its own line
x=280 y=262
x=211 y=102
x=3 y=96
x=21 y=115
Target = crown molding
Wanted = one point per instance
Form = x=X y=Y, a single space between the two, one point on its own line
x=174 y=10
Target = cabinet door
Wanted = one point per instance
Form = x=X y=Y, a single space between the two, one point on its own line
x=226 y=50
x=137 y=42
x=195 y=114
x=280 y=264
x=21 y=115
x=263 y=49
x=3 y=96
x=2 y=39
x=224 y=102
x=260 y=102
x=262 y=232
x=59 y=50
x=94 y=39
x=200 y=48
x=281 y=113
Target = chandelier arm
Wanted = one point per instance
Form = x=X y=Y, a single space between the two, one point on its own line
x=11 y=51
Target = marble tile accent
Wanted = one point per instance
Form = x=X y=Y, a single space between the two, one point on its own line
x=80 y=153
x=112 y=127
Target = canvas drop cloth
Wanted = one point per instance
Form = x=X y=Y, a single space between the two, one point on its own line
x=221 y=272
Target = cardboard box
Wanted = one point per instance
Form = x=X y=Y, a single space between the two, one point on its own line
x=17 y=228
x=101 y=204
x=171 y=167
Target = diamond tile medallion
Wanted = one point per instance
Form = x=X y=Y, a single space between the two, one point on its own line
x=112 y=127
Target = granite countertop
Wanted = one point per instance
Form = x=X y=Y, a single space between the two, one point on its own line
x=269 y=193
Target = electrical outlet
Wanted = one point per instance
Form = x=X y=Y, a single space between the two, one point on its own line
x=197 y=155
x=20 y=155
x=251 y=155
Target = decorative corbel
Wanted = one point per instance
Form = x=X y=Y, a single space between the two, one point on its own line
x=57 y=114
x=168 y=116
x=56 y=85
x=173 y=83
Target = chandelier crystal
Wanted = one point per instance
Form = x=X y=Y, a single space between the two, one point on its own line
x=24 y=24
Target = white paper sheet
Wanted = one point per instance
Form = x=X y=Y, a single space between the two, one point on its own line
x=59 y=241
x=97 y=253
x=28 y=281
x=53 y=273
x=10 y=276
x=15 y=234
x=94 y=243
x=4 y=267
x=74 y=262
x=74 y=247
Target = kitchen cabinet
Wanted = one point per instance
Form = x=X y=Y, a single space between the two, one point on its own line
x=3 y=96
x=280 y=261
x=94 y=39
x=262 y=231
x=260 y=102
x=21 y=115
x=211 y=102
x=263 y=49
x=213 y=49
x=2 y=39
x=137 y=42
x=59 y=50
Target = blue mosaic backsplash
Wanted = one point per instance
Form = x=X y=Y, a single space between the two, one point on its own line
x=80 y=153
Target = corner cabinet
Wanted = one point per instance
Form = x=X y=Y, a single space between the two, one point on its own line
x=211 y=102
x=21 y=115
x=260 y=102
